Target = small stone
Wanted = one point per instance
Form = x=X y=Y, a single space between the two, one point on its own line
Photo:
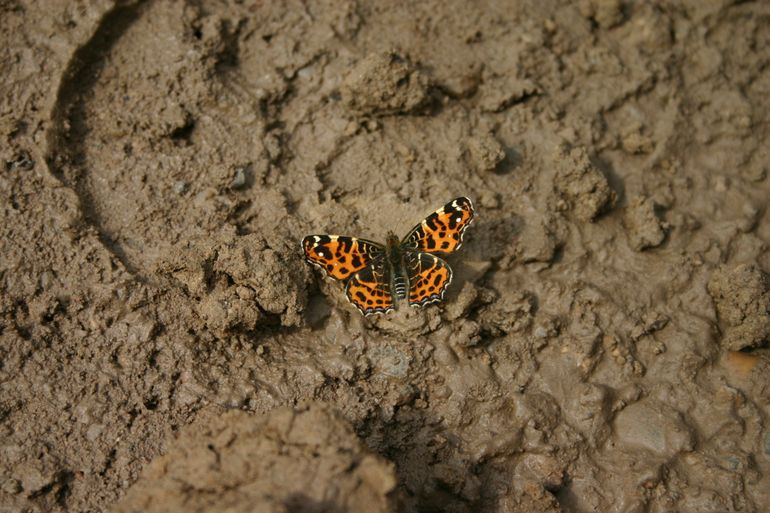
x=22 y=161
x=655 y=426
x=180 y=187
x=241 y=179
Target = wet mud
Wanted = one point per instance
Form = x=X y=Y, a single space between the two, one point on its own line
x=603 y=345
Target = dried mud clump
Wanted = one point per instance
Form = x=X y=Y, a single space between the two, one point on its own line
x=584 y=188
x=742 y=298
x=307 y=460
x=485 y=152
x=644 y=228
x=240 y=282
x=385 y=83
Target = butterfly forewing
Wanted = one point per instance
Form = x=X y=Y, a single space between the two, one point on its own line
x=369 y=289
x=442 y=231
x=341 y=257
x=429 y=276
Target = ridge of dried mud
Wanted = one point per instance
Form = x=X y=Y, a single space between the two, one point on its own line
x=603 y=346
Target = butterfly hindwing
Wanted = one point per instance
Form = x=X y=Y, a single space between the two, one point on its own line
x=429 y=276
x=369 y=289
x=442 y=231
x=341 y=257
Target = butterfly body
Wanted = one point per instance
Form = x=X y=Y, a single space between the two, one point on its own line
x=379 y=276
x=399 y=280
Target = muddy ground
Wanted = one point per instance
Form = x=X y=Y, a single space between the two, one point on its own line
x=603 y=346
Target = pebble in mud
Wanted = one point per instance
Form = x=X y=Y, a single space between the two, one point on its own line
x=385 y=83
x=654 y=426
x=742 y=299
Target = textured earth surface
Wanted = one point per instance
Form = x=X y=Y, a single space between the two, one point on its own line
x=603 y=345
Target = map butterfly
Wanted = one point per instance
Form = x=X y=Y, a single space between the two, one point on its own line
x=378 y=276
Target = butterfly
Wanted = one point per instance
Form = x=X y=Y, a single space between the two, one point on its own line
x=378 y=276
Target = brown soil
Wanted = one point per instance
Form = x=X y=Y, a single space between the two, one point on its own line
x=604 y=343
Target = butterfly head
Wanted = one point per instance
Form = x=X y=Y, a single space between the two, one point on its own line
x=392 y=240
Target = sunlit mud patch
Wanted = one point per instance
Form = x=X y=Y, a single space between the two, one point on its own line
x=303 y=460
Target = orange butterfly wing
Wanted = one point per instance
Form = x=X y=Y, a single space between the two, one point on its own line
x=341 y=257
x=429 y=276
x=442 y=231
x=369 y=289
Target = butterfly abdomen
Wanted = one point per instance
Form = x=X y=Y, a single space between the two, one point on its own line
x=399 y=281
x=400 y=286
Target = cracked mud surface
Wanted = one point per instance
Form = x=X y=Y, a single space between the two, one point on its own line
x=603 y=345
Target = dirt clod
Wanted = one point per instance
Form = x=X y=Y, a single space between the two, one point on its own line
x=742 y=298
x=385 y=83
x=582 y=185
x=645 y=230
